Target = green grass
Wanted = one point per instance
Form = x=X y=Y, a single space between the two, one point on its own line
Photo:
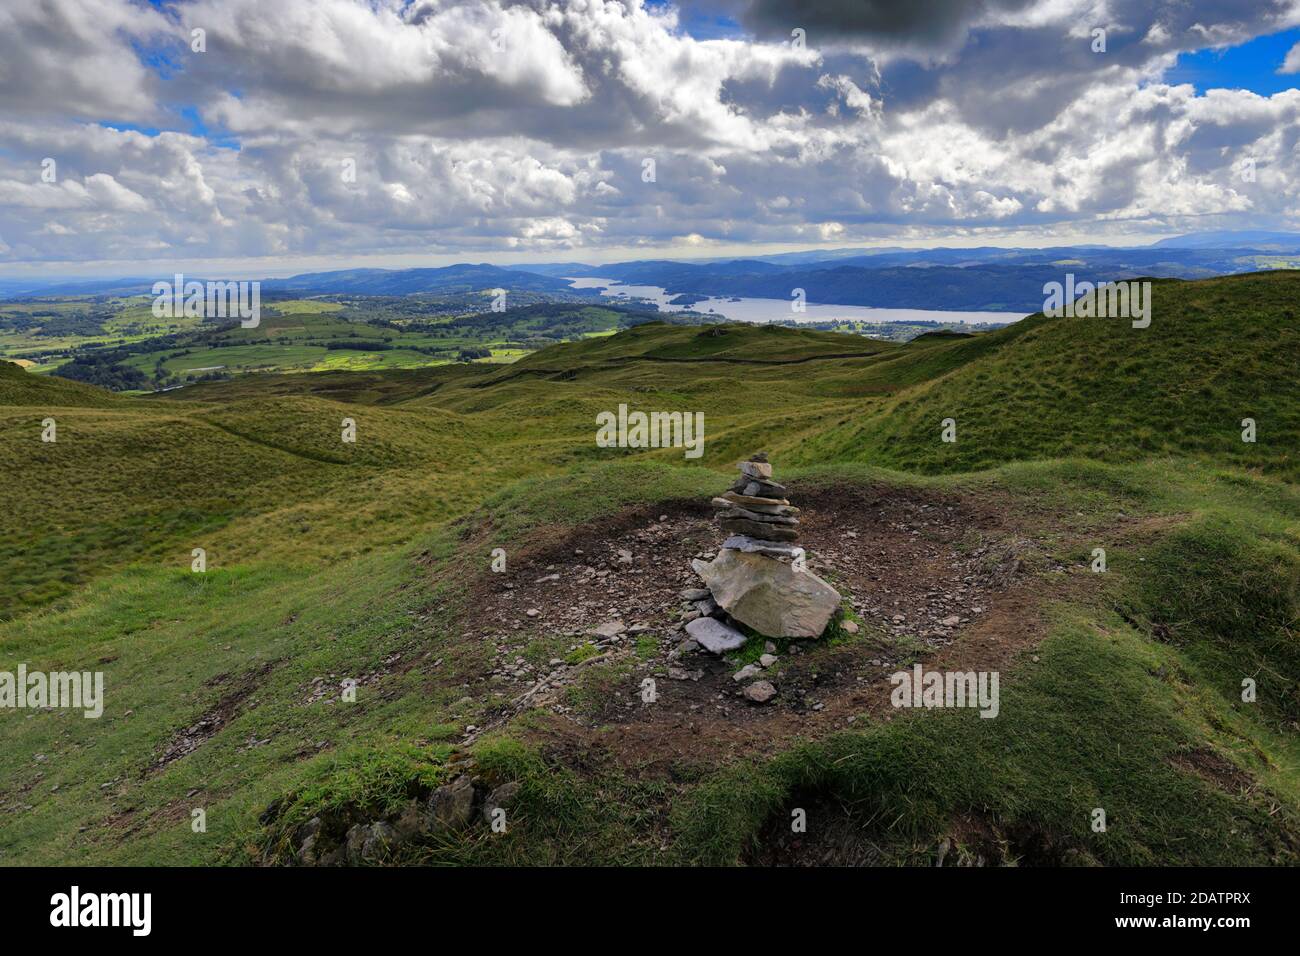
x=327 y=558
x=41 y=325
x=1217 y=351
x=170 y=636
x=1089 y=726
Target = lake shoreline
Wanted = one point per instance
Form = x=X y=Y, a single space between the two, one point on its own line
x=768 y=311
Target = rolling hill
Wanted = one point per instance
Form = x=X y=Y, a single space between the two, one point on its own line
x=461 y=277
x=1217 y=352
x=331 y=560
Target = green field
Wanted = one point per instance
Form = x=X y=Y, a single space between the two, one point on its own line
x=370 y=559
x=293 y=335
x=36 y=328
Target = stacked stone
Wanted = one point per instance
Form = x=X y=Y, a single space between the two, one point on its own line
x=749 y=579
x=756 y=513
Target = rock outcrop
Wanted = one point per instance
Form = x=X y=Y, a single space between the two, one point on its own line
x=337 y=838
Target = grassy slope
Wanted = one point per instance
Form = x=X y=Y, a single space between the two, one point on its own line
x=172 y=644
x=146 y=480
x=21 y=389
x=307 y=584
x=1216 y=352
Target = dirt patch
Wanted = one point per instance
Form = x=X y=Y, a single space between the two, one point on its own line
x=192 y=737
x=581 y=621
x=1214 y=768
x=815 y=830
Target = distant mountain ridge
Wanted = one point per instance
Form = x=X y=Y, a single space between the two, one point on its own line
x=462 y=277
x=941 y=279
x=1227 y=239
x=986 y=278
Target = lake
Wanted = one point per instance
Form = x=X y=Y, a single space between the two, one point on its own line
x=776 y=310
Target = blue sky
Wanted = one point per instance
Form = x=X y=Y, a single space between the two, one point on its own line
x=1250 y=66
x=701 y=22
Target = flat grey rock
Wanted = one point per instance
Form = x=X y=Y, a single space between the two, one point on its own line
x=776 y=549
x=749 y=500
x=736 y=511
x=714 y=636
x=758 y=529
x=680 y=673
x=772 y=597
x=609 y=629
x=765 y=489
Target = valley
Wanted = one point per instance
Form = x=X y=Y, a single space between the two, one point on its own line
x=119 y=344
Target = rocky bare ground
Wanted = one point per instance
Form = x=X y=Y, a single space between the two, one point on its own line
x=922 y=576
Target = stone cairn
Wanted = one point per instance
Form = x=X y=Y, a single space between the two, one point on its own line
x=758 y=576
x=756 y=507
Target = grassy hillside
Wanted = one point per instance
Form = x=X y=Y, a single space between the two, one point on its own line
x=330 y=559
x=20 y=389
x=1217 y=351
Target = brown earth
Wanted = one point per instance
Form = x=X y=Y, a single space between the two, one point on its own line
x=952 y=581
x=1214 y=768
x=189 y=739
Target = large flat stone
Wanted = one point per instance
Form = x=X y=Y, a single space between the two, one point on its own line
x=732 y=500
x=759 y=529
x=759 y=487
x=755 y=469
x=712 y=635
x=770 y=596
x=750 y=501
x=732 y=510
x=777 y=549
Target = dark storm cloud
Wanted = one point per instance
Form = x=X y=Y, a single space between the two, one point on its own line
x=910 y=22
